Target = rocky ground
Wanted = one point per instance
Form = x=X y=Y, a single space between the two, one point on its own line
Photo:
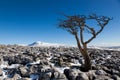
x=40 y=63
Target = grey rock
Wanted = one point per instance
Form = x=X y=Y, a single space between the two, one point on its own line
x=59 y=76
x=71 y=74
x=100 y=72
x=9 y=72
x=105 y=63
x=82 y=76
x=116 y=77
x=1 y=72
x=24 y=71
x=16 y=77
x=103 y=78
x=47 y=76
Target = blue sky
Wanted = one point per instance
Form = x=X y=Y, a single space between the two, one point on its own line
x=26 y=21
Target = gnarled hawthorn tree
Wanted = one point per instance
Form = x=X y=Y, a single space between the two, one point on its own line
x=78 y=25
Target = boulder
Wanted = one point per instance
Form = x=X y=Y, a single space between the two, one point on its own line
x=47 y=76
x=16 y=77
x=24 y=71
x=58 y=76
x=82 y=76
x=71 y=74
x=116 y=77
x=9 y=72
x=100 y=72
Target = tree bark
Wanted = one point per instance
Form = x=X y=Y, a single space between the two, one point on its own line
x=87 y=60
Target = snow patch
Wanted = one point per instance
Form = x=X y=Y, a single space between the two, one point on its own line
x=34 y=77
x=61 y=69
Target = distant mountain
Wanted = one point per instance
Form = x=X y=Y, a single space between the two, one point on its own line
x=21 y=44
x=112 y=48
x=106 y=47
x=45 y=44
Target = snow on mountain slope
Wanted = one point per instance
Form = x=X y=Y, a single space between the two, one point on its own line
x=116 y=48
x=45 y=44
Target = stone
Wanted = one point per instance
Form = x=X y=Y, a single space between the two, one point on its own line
x=35 y=68
x=115 y=77
x=71 y=74
x=59 y=76
x=1 y=72
x=100 y=72
x=47 y=76
x=103 y=78
x=91 y=74
x=9 y=72
x=16 y=77
x=42 y=61
x=82 y=76
x=24 y=72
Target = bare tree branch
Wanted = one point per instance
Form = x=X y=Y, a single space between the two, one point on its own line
x=92 y=30
x=78 y=42
x=102 y=22
x=76 y=25
x=81 y=36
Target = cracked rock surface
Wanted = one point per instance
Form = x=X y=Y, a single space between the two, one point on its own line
x=61 y=63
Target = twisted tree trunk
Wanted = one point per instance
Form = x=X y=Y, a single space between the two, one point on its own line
x=83 y=50
x=87 y=60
